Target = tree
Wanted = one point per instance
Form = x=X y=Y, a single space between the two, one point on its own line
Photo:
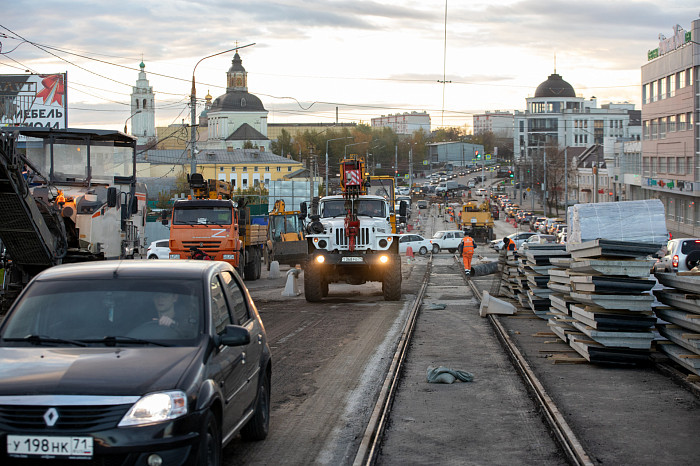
x=282 y=145
x=248 y=145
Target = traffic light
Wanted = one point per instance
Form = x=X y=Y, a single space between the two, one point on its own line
x=511 y=174
x=478 y=156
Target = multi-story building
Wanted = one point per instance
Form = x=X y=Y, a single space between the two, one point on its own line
x=497 y=122
x=671 y=135
x=404 y=123
x=556 y=117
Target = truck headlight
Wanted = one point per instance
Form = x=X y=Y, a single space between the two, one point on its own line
x=383 y=259
x=229 y=257
x=320 y=259
x=174 y=256
x=156 y=407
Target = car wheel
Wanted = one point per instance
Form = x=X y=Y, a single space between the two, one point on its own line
x=436 y=248
x=210 y=442
x=423 y=251
x=153 y=256
x=259 y=425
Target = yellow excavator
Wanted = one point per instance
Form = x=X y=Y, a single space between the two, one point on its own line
x=285 y=236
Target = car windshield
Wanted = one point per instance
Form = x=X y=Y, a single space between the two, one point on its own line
x=109 y=312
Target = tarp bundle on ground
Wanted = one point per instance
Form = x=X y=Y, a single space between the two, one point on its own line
x=637 y=221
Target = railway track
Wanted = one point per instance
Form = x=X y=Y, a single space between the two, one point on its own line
x=560 y=430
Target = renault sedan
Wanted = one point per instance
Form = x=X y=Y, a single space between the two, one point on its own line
x=132 y=363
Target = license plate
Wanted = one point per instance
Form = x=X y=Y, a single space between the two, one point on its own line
x=351 y=259
x=35 y=445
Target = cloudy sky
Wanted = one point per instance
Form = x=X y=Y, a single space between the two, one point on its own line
x=365 y=58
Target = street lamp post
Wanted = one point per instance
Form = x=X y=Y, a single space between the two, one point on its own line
x=327 y=141
x=193 y=105
x=132 y=115
x=353 y=144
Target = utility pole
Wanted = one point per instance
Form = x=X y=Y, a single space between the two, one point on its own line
x=410 y=166
x=396 y=165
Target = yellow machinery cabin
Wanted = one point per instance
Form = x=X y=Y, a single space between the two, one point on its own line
x=475 y=220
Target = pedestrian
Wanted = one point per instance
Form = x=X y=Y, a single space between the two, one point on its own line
x=508 y=244
x=524 y=195
x=466 y=249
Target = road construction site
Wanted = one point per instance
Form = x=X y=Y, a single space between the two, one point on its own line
x=350 y=383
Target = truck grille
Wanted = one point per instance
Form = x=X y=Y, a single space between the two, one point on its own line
x=206 y=246
x=74 y=418
x=362 y=240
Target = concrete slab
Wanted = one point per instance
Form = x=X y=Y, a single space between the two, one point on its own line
x=680 y=317
x=689 y=283
x=679 y=299
x=636 y=268
x=681 y=336
x=637 y=340
x=609 y=301
x=680 y=356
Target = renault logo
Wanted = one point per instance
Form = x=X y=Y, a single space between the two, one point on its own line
x=50 y=417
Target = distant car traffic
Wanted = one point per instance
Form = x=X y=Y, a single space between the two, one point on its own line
x=418 y=244
x=158 y=249
x=481 y=192
x=132 y=362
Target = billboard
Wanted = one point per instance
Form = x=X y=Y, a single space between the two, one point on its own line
x=34 y=100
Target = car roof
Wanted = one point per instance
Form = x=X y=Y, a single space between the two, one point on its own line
x=143 y=268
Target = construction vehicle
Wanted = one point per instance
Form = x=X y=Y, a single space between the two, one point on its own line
x=381 y=185
x=285 y=236
x=476 y=220
x=351 y=239
x=70 y=196
x=209 y=225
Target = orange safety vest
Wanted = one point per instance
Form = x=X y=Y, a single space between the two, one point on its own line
x=467 y=246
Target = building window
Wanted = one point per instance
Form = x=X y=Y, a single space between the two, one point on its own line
x=689 y=165
x=654 y=128
x=662 y=165
x=233 y=169
x=681 y=122
x=221 y=169
x=243 y=102
x=688 y=77
x=645 y=93
x=645 y=130
x=245 y=169
x=289 y=169
x=680 y=79
x=255 y=169
x=689 y=120
x=267 y=169
x=681 y=165
x=652 y=91
x=672 y=85
x=654 y=165
x=662 y=89
x=672 y=123
x=662 y=128
x=137 y=104
x=279 y=169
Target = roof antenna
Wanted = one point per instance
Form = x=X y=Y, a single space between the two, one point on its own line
x=555 y=62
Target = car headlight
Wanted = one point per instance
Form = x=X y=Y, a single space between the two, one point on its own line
x=156 y=407
x=174 y=256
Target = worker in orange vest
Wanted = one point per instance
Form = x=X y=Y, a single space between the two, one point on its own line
x=509 y=244
x=466 y=248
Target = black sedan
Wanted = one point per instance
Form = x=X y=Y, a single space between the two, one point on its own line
x=132 y=362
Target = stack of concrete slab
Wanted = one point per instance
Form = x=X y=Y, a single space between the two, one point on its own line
x=682 y=312
x=608 y=304
x=512 y=285
x=535 y=264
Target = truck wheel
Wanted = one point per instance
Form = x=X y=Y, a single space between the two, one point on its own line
x=391 y=284
x=249 y=268
x=313 y=286
x=258 y=263
x=436 y=248
x=324 y=288
x=241 y=262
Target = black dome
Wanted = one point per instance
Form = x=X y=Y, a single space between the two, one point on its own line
x=237 y=101
x=554 y=86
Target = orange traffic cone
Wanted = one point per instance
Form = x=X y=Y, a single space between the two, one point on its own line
x=409 y=252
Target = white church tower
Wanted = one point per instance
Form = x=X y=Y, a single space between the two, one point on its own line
x=143 y=109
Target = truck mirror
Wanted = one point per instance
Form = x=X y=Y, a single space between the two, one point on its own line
x=303 y=208
x=111 y=197
x=402 y=209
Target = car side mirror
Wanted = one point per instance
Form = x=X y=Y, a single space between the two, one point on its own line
x=234 y=335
